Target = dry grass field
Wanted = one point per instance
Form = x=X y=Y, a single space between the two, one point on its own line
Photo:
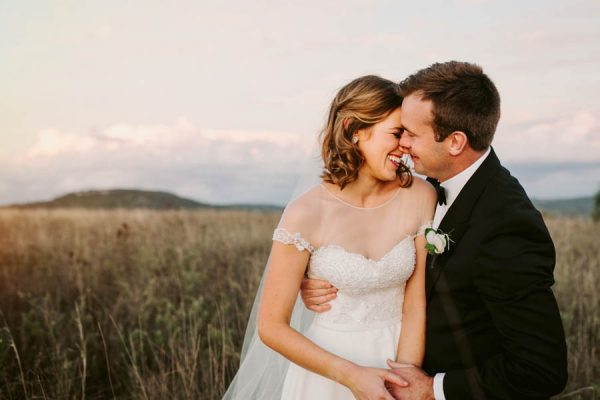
x=153 y=305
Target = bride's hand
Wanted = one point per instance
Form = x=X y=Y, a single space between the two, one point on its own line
x=369 y=383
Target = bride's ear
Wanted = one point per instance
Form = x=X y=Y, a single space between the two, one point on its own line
x=457 y=142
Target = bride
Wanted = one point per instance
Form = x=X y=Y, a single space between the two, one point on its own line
x=361 y=229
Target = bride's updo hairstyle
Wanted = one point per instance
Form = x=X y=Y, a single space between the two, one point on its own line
x=359 y=105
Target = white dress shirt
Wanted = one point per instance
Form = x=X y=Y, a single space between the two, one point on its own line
x=453 y=186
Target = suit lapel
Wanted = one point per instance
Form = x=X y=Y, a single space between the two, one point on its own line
x=456 y=220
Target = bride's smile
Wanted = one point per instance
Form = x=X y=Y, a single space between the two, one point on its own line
x=379 y=146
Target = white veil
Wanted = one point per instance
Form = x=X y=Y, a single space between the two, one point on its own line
x=262 y=370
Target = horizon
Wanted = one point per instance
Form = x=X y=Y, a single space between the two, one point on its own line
x=201 y=201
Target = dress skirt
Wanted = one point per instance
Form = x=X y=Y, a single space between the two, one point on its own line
x=368 y=346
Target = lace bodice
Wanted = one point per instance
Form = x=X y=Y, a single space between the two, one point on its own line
x=371 y=292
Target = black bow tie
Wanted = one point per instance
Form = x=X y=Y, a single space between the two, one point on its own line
x=441 y=192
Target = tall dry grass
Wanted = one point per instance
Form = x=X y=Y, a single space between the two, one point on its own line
x=153 y=305
x=125 y=304
x=577 y=291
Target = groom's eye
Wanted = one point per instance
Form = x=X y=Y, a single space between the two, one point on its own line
x=398 y=133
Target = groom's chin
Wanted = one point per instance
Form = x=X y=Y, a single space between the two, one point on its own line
x=419 y=170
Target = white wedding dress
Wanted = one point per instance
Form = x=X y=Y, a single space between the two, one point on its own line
x=368 y=254
x=363 y=325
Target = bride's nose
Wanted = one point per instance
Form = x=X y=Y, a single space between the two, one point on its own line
x=403 y=149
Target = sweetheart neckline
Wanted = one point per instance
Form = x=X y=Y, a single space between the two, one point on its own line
x=369 y=259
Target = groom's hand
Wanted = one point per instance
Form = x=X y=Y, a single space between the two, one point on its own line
x=420 y=385
x=316 y=294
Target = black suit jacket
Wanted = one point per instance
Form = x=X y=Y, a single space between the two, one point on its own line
x=493 y=325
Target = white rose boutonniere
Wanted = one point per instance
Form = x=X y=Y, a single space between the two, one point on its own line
x=437 y=241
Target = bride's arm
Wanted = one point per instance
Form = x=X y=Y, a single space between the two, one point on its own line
x=285 y=272
x=411 y=346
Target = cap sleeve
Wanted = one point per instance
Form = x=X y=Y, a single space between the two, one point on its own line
x=281 y=235
x=299 y=223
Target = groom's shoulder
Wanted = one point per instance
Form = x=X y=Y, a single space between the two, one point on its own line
x=504 y=196
x=505 y=186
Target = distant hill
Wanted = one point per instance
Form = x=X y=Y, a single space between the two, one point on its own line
x=576 y=206
x=130 y=198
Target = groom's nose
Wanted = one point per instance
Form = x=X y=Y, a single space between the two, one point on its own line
x=403 y=142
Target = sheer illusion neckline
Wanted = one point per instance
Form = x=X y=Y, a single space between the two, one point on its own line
x=361 y=208
x=360 y=255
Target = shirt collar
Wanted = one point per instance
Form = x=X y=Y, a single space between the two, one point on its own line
x=455 y=184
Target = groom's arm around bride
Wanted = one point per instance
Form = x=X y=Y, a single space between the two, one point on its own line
x=495 y=333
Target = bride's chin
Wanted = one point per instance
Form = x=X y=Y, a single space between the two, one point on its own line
x=388 y=177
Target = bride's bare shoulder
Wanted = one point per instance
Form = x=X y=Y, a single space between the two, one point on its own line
x=305 y=204
x=423 y=189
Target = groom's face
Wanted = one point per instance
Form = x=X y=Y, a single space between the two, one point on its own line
x=418 y=138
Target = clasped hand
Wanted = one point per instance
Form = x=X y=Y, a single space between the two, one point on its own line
x=371 y=383
x=402 y=382
x=419 y=385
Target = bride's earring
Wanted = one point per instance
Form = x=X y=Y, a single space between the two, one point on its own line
x=355 y=139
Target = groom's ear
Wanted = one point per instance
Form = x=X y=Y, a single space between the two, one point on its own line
x=457 y=142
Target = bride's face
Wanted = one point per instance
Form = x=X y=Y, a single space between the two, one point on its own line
x=380 y=147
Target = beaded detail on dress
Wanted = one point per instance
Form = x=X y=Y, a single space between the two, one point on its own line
x=371 y=292
x=283 y=236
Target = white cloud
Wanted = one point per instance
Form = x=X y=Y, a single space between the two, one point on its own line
x=121 y=137
x=52 y=142
x=179 y=139
x=568 y=138
x=220 y=166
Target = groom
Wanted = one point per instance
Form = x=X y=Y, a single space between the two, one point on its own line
x=493 y=326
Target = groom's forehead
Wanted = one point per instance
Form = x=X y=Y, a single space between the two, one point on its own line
x=416 y=112
x=415 y=104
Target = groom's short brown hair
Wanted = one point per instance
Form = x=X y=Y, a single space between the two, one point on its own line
x=464 y=99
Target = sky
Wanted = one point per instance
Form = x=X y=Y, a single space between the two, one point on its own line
x=222 y=101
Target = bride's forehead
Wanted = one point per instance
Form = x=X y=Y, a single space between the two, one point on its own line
x=393 y=118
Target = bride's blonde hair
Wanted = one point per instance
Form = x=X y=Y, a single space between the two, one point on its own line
x=359 y=105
